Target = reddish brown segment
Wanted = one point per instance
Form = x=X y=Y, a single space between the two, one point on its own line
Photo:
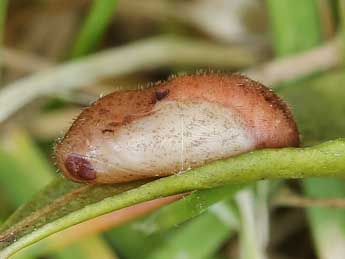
x=268 y=119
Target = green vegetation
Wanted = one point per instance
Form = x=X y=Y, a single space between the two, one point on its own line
x=155 y=39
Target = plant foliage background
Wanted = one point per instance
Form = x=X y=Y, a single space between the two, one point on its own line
x=57 y=56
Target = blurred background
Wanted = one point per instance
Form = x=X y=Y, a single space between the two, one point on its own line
x=58 y=56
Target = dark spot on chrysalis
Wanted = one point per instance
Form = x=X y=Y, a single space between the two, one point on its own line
x=107 y=130
x=80 y=168
x=161 y=94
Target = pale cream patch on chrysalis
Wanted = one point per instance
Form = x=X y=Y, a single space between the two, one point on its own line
x=175 y=137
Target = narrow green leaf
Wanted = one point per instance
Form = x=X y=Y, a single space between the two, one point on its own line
x=3 y=9
x=99 y=17
x=180 y=211
x=295 y=25
x=327 y=225
x=22 y=165
x=64 y=204
x=132 y=243
x=200 y=237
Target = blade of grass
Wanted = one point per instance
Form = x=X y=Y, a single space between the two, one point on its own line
x=250 y=245
x=94 y=26
x=21 y=164
x=132 y=243
x=3 y=9
x=200 y=237
x=327 y=224
x=180 y=211
x=295 y=25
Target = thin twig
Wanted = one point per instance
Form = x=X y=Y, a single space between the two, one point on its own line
x=294 y=200
x=296 y=66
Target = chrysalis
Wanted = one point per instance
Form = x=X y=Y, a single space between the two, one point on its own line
x=172 y=127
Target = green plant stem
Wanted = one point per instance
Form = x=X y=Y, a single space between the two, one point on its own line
x=94 y=26
x=327 y=159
